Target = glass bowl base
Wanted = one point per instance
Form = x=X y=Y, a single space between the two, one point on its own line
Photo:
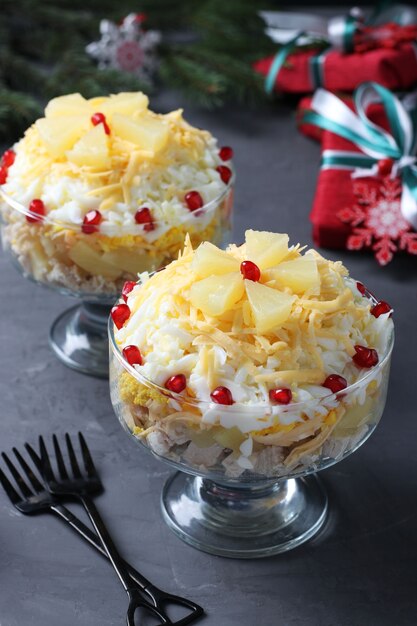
x=244 y=521
x=79 y=338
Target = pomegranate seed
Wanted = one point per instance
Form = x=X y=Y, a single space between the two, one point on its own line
x=144 y=216
x=37 y=207
x=365 y=357
x=222 y=395
x=3 y=174
x=385 y=166
x=193 y=200
x=225 y=173
x=361 y=288
x=120 y=313
x=100 y=118
x=127 y=288
x=176 y=383
x=132 y=355
x=280 y=396
x=250 y=271
x=91 y=221
x=226 y=153
x=8 y=158
x=381 y=308
x=335 y=383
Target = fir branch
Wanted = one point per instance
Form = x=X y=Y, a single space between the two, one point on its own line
x=201 y=84
x=234 y=27
x=76 y=69
x=17 y=112
x=167 y=15
x=17 y=73
x=42 y=45
x=211 y=77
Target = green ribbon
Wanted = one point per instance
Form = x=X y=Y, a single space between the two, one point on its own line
x=279 y=60
x=317 y=68
x=335 y=159
x=330 y=113
x=349 y=29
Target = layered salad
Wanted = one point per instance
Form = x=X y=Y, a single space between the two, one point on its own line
x=262 y=359
x=101 y=189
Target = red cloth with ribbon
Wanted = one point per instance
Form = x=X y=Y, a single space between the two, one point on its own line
x=394 y=68
x=361 y=213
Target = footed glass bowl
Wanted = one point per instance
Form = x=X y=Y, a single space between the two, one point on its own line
x=244 y=499
x=93 y=266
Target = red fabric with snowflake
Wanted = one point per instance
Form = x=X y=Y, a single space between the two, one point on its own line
x=376 y=220
x=395 y=68
x=362 y=213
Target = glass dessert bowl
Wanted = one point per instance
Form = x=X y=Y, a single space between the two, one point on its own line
x=100 y=190
x=251 y=371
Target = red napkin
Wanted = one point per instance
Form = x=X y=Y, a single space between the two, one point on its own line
x=395 y=68
x=361 y=213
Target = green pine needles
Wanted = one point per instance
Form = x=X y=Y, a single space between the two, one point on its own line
x=206 y=52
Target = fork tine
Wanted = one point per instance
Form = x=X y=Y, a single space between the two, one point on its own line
x=60 y=459
x=27 y=493
x=46 y=468
x=73 y=459
x=87 y=458
x=37 y=461
x=9 y=489
x=30 y=475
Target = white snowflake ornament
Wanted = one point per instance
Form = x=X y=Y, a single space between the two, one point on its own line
x=127 y=47
x=377 y=221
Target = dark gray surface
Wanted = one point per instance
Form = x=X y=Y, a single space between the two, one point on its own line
x=360 y=570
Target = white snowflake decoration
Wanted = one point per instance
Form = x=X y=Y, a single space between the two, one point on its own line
x=377 y=221
x=385 y=219
x=127 y=47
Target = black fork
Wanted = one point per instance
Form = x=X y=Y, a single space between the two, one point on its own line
x=80 y=486
x=35 y=499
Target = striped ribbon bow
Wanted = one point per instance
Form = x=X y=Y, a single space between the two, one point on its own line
x=399 y=145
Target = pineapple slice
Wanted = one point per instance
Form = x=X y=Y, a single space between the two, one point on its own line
x=203 y=439
x=147 y=133
x=130 y=261
x=209 y=260
x=92 y=149
x=92 y=262
x=59 y=134
x=126 y=103
x=39 y=260
x=270 y=308
x=299 y=275
x=216 y=294
x=355 y=417
x=264 y=248
x=230 y=438
x=73 y=104
x=97 y=103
